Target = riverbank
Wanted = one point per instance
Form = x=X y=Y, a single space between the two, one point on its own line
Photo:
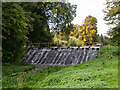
x=99 y=73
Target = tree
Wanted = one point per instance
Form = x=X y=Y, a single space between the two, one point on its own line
x=58 y=13
x=41 y=31
x=112 y=15
x=74 y=31
x=98 y=38
x=106 y=40
x=66 y=31
x=15 y=26
x=88 y=30
x=102 y=39
x=23 y=22
x=61 y=14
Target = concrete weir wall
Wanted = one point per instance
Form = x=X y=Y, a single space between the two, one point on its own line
x=60 y=55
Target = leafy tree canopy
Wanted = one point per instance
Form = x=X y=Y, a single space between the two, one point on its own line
x=87 y=31
x=29 y=21
x=112 y=16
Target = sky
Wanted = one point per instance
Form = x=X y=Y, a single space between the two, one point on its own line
x=93 y=8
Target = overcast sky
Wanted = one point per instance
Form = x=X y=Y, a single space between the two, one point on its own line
x=93 y=8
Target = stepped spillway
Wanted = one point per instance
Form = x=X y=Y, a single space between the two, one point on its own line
x=60 y=55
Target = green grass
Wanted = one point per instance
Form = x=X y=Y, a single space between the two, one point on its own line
x=14 y=68
x=99 y=73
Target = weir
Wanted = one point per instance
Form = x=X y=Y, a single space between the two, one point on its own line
x=60 y=55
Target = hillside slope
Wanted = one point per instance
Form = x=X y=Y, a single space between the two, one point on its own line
x=99 y=73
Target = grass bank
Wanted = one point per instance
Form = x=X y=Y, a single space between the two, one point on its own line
x=99 y=73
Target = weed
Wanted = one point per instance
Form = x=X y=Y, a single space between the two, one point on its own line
x=19 y=81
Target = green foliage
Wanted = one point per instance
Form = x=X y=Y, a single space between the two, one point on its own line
x=59 y=42
x=15 y=25
x=72 y=42
x=102 y=39
x=111 y=50
x=87 y=32
x=98 y=38
x=106 y=40
x=66 y=30
x=56 y=40
x=14 y=68
x=63 y=43
x=114 y=35
x=112 y=13
x=24 y=22
x=41 y=31
x=79 y=43
x=75 y=42
x=65 y=13
x=99 y=73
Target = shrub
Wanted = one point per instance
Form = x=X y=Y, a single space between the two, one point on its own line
x=59 y=42
x=79 y=43
x=55 y=40
x=72 y=42
x=63 y=43
x=75 y=42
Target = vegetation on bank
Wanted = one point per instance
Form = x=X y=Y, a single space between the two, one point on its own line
x=23 y=23
x=112 y=13
x=99 y=73
x=14 y=68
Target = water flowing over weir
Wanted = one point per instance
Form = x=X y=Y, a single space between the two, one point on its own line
x=60 y=55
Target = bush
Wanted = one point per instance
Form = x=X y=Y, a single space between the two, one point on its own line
x=59 y=42
x=55 y=40
x=79 y=43
x=75 y=42
x=72 y=42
